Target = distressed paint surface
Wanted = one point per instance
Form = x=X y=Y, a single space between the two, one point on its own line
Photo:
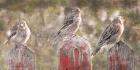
x=21 y=58
x=74 y=54
x=121 y=57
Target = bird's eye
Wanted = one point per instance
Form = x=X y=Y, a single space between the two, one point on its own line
x=22 y=24
x=72 y=10
x=78 y=10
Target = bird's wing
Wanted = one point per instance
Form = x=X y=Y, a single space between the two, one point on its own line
x=68 y=21
x=109 y=32
x=13 y=31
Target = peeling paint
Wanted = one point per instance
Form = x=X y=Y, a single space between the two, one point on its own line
x=74 y=54
x=121 y=57
x=21 y=58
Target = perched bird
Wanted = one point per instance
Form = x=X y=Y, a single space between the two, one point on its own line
x=111 y=34
x=71 y=21
x=19 y=33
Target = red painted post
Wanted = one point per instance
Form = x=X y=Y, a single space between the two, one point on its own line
x=21 y=58
x=121 y=57
x=74 y=54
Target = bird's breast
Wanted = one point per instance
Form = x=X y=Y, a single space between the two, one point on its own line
x=121 y=29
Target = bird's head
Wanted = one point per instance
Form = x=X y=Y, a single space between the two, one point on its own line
x=119 y=19
x=75 y=11
x=72 y=11
x=22 y=24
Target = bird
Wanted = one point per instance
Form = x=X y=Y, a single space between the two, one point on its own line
x=111 y=34
x=71 y=22
x=19 y=33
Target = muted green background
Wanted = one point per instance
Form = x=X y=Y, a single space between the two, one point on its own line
x=45 y=17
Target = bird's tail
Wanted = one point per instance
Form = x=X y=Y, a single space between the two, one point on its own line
x=97 y=48
x=55 y=40
x=96 y=51
x=6 y=42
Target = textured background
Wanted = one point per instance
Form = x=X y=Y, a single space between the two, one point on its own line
x=45 y=17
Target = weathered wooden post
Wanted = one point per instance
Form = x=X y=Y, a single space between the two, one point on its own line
x=21 y=58
x=121 y=57
x=74 y=54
